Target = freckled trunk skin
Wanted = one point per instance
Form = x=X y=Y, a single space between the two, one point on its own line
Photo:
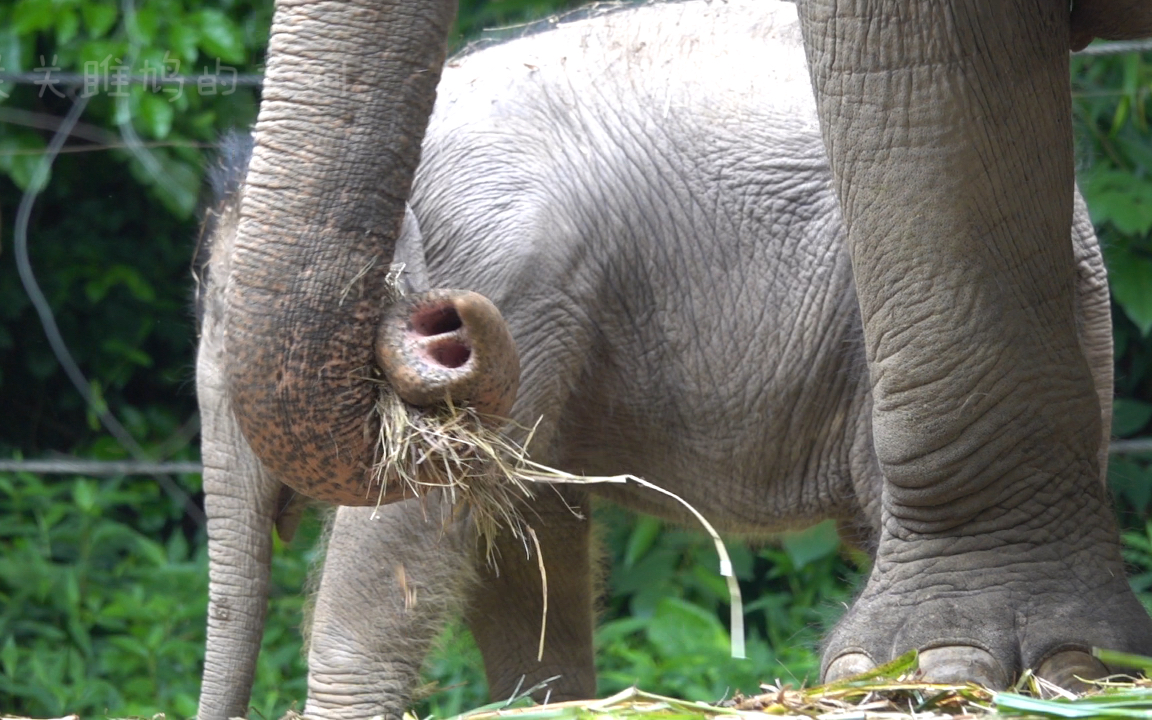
x=349 y=88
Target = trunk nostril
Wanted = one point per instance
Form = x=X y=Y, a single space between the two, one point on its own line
x=451 y=354
x=443 y=344
x=436 y=320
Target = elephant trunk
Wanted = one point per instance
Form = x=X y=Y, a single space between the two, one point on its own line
x=348 y=91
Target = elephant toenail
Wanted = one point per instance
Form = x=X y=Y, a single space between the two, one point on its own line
x=962 y=664
x=1065 y=667
x=847 y=666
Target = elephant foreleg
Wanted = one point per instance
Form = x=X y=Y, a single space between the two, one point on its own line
x=948 y=130
x=390 y=578
x=506 y=611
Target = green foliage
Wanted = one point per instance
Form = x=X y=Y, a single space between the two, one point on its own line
x=1138 y=554
x=103 y=590
x=667 y=601
x=666 y=608
x=454 y=672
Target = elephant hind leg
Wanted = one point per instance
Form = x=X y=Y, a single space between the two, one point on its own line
x=507 y=609
x=390 y=579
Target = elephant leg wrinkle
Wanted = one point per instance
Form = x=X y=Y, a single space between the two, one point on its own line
x=997 y=543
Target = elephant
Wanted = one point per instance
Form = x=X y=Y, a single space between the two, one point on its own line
x=965 y=443
x=648 y=199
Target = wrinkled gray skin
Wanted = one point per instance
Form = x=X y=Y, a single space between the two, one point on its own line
x=647 y=198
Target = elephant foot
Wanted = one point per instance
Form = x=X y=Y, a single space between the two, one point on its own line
x=986 y=616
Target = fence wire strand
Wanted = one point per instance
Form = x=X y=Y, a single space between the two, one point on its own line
x=109 y=468
x=75 y=79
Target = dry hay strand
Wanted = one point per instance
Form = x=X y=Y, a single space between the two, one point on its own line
x=449 y=448
x=893 y=691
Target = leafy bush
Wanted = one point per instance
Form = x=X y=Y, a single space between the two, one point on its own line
x=104 y=592
x=667 y=600
x=663 y=628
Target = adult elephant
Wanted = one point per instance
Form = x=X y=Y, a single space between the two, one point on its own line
x=947 y=126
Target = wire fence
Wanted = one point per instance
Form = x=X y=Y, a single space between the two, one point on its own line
x=100 y=468
x=127 y=138
x=1117 y=48
x=112 y=468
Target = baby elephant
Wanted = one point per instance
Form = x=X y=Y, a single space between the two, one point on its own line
x=644 y=195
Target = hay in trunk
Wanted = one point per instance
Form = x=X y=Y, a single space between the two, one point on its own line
x=449 y=448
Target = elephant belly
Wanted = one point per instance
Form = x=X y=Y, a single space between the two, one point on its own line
x=753 y=420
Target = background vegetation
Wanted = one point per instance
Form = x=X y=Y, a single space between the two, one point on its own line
x=103 y=581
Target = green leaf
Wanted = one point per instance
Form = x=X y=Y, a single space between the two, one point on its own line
x=679 y=628
x=183 y=40
x=9 y=657
x=812 y=544
x=1128 y=480
x=1121 y=114
x=641 y=539
x=67 y=26
x=97 y=288
x=1120 y=198
x=156 y=114
x=10 y=60
x=98 y=18
x=98 y=407
x=146 y=21
x=1130 y=279
x=181 y=188
x=1129 y=416
x=20 y=157
x=152 y=551
x=1088 y=707
x=105 y=55
x=219 y=36
x=176 y=183
x=120 y=349
x=84 y=495
x=1123 y=659
x=31 y=16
